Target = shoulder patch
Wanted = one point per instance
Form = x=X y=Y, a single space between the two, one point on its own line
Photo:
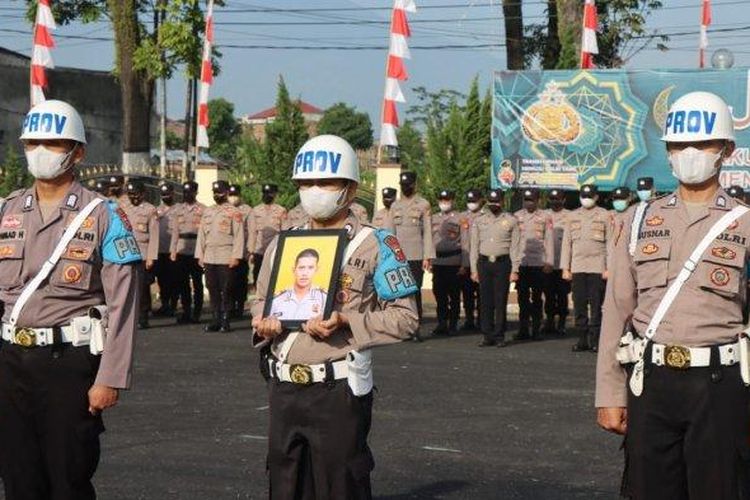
x=393 y=278
x=119 y=245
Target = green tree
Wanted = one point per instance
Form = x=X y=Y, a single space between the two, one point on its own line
x=345 y=121
x=411 y=147
x=223 y=129
x=622 y=33
x=272 y=160
x=174 y=141
x=151 y=40
x=15 y=175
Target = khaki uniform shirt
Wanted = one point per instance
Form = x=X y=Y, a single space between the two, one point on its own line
x=450 y=233
x=185 y=223
x=382 y=219
x=269 y=220
x=412 y=224
x=165 y=213
x=296 y=217
x=494 y=236
x=616 y=220
x=537 y=237
x=559 y=221
x=102 y=265
x=360 y=212
x=584 y=246
x=709 y=308
x=221 y=236
x=373 y=321
x=145 y=224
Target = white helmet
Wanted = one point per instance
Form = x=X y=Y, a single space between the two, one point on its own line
x=326 y=157
x=53 y=120
x=698 y=116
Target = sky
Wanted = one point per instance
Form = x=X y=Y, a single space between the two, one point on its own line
x=324 y=77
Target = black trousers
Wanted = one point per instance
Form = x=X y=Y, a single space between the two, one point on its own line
x=556 y=295
x=688 y=435
x=49 y=442
x=240 y=276
x=447 y=289
x=257 y=262
x=418 y=272
x=529 y=287
x=588 y=294
x=470 y=295
x=166 y=277
x=146 y=279
x=190 y=273
x=317 y=443
x=219 y=284
x=494 y=283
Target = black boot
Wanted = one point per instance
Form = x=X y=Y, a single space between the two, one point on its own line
x=215 y=323
x=549 y=326
x=196 y=316
x=440 y=330
x=561 y=326
x=184 y=318
x=224 y=325
x=536 y=324
x=523 y=331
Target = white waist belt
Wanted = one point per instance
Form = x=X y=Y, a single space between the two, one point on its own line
x=306 y=374
x=42 y=336
x=693 y=357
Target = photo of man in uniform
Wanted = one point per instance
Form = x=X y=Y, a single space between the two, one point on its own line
x=302 y=301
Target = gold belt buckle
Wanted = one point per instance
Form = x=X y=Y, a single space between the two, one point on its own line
x=677 y=356
x=25 y=337
x=492 y=258
x=301 y=374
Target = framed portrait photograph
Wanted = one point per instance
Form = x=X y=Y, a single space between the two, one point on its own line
x=305 y=275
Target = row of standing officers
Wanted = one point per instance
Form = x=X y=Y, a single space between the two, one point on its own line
x=474 y=255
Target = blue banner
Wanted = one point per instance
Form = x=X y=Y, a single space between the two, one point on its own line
x=567 y=128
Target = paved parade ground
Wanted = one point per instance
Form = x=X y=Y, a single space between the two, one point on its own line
x=451 y=421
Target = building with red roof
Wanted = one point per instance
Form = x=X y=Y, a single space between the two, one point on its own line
x=255 y=124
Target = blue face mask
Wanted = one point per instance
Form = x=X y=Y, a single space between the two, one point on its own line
x=620 y=205
x=644 y=195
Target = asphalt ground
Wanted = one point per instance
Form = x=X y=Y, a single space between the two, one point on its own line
x=451 y=421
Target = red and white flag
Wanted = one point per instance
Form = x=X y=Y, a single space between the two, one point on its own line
x=705 y=22
x=398 y=50
x=207 y=78
x=41 y=56
x=589 y=47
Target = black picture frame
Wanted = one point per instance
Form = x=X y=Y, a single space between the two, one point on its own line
x=337 y=246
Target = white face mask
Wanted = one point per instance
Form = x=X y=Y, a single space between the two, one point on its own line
x=46 y=164
x=473 y=206
x=644 y=194
x=693 y=166
x=321 y=204
x=588 y=202
x=445 y=206
x=234 y=200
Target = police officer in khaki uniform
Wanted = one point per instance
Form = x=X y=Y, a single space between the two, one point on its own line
x=187 y=220
x=412 y=224
x=269 y=219
x=320 y=378
x=166 y=270
x=680 y=397
x=115 y=193
x=143 y=218
x=620 y=205
x=450 y=235
x=52 y=392
x=219 y=250
x=584 y=263
x=382 y=218
x=557 y=291
x=495 y=259
x=537 y=247
x=469 y=288
x=296 y=217
x=241 y=273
